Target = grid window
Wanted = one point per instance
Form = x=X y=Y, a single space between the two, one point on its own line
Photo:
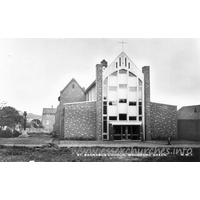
x=132 y=118
x=113 y=118
x=122 y=116
x=122 y=100
x=132 y=103
x=112 y=103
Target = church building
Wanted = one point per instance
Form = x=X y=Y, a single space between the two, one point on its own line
x=116 y=106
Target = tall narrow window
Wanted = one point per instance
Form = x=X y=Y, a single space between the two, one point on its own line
x=129 y=66
x=120 y=62
x=140 y=83
x=105 y=108
x=105 y=124
x=140 y=108
x=125 y=62
x=116 y=65
x=140 y=89
x=105 y=89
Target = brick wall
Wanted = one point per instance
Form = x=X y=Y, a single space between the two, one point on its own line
x=80 y=120
x=71 y=93
x=57 y=124
x=163 y=121
x=147 y=105
x=99 y=100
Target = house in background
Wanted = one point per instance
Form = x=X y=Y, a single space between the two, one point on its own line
x=48 y=118
x=116 y=106
x=189 y=123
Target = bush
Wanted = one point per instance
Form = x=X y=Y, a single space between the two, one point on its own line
x=16 y=133
x=6 y=133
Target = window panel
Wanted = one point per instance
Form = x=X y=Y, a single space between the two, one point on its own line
x=122 y=76
x=132 y=110
x=132 y=79
x=140 y=93
x=132 y=118
x=113 y=118
x=122 y=116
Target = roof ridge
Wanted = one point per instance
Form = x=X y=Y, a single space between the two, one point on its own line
x=73 y=79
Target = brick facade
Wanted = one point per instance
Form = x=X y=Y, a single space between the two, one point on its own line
x=163 y=121
x=99 y=101
x=80 y=120
x=73 y=92
x=147 y=105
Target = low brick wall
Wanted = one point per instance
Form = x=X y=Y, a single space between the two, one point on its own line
x=80 y=120
x=163 y=121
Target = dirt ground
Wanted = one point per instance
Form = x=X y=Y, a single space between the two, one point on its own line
x=93 y=154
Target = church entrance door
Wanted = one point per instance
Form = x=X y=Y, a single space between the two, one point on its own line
x=126 y=132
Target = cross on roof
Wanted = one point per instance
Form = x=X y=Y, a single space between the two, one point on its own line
x=122 y=42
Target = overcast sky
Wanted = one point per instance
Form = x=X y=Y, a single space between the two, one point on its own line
x=34 y=71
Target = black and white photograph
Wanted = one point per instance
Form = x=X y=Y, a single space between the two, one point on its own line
x=99 y=99
x=127 y=100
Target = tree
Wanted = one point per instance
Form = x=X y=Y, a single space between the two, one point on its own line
x=2 y=104
x=36 y=123
x=9 y=116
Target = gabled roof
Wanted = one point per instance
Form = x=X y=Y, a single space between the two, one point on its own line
x=90 y=86
x=49 y=110
x=73 y=80
x=122 y=61
x=189 y=112
x=123 y=54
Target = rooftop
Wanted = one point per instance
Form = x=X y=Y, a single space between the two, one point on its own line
x=189 y=112
x=49 y=110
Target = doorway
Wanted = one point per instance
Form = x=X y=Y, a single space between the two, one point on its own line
x=126 y=132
